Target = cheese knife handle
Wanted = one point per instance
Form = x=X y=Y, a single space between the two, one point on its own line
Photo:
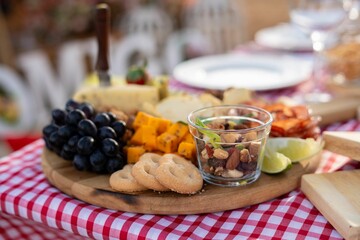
x=102 y=24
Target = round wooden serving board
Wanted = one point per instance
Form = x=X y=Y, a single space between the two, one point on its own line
x=95 y=189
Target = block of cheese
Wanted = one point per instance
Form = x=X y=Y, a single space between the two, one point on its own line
x=127 y=98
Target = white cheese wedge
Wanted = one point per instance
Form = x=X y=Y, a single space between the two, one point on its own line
x=237 y=95
x=128 y=98
x=178 y=107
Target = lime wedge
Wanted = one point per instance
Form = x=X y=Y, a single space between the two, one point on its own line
x=296 y=149
x=299 y=150
x=281 y=153
x=275 y=162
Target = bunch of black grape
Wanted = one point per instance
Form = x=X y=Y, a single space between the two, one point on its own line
x=92 y=141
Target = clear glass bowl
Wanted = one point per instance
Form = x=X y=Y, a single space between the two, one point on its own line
x=230 y=142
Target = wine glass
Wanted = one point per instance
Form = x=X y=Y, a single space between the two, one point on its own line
x=351 y=26
x=318 y=19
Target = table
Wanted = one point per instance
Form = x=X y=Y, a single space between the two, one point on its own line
x=31 y=208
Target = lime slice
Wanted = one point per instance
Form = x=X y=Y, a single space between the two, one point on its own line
x=299 y=150
x=281 y=153
x=296 y=149
x=275 y=162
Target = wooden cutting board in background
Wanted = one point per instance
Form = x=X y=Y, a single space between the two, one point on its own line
x=337 y=195
x=343 y=143
x=337 y=110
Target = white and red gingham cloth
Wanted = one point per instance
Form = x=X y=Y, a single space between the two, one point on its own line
x=30 y=208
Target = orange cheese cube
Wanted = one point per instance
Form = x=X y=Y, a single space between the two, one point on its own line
x=134 y=153
x=149 y=136
x=141 y=119
x=189 y=138
x=167 y=142
x=137 y=138
x=154 y=122
x=179 y=130
x=188 y=150
x=164 y=125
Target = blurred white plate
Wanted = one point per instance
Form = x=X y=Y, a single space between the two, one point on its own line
x=284 y=36
x=254 y=72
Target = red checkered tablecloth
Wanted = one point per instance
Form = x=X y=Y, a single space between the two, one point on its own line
x=30 y=208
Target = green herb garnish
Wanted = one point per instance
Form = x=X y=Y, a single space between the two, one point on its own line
x=240 y=147
x=214 y=138
x=182 y=122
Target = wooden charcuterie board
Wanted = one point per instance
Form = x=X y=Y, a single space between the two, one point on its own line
x=95 y=189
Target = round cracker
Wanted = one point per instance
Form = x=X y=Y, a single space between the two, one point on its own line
x=179 y=175
x=123 y=181
x=144 y=172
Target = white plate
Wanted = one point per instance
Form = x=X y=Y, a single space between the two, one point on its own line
x=285 y=37
x=254 y=72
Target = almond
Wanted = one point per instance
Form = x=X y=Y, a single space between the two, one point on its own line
x=233 y=160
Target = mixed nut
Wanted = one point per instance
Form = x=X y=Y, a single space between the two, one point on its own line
x=224 y=151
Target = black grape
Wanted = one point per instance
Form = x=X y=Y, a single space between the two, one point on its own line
x=110 y=147
x=81 y=162
x=101 y=120
x=58 y=116
x=119 y=127
x=74 y=117
x=106 y=132
x=88 y=109
x=87 y=128
x=85 y=145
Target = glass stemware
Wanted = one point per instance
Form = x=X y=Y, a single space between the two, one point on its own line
x=351 y=26
x=317 y=18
